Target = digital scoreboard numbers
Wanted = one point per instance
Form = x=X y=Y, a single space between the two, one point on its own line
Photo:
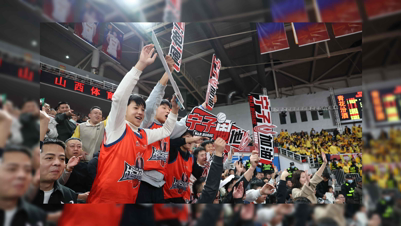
x=386 y=104
x=350 y=106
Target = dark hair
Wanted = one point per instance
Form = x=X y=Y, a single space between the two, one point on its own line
x=26 y=100
x=197 y=150
x=189 y=132
x=326 y=222
x=60 y=103
x=137 y=99
x=257 y=183
x=72 y=138
x=53 y=141
x=326 y=175
x=165 y=102
x=197 y=184
x=94 y=107
x=301 y=200
x=206 y=143
x=295 y=179
x=17 y=148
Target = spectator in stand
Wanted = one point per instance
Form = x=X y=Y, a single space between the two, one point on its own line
x=306 y=187
x=200 y=159
x=52 y=130
x=323 y=186
x=91 y=133
x=358 y=194
x=348 y=188
x=75 y=174
x=340 y=199
x=347 y=131
x=259 y=192
x=65 y=126
x=15 y=133
x=29 y=121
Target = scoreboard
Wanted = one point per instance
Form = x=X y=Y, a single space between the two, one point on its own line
x=386 y=104
x=350 y=107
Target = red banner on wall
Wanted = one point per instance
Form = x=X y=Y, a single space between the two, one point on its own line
x=375 y=9
x=344 y=29
x=272 y=37
x=309 y=33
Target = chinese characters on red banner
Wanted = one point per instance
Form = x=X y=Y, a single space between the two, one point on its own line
x=262 y=126
x=213 y=81
x=177 y=44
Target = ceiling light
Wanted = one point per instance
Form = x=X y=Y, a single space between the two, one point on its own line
x=34 y=43
x=67 y=57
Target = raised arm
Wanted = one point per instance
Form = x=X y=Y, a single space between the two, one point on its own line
x=116 y=122
x=156 y=96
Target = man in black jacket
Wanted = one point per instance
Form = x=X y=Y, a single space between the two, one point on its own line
x=323 y=186
x=15 y=178
x=30 y=124
x=65 y=126
x=52 y=164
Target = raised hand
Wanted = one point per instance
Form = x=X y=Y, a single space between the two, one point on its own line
x=254 y=159
x=146 y=59
x=284 y=175
x=267 y=189
x=239 y=191
x=324 y=157
x=72 y=162
x=174 y=105
x=219 y=144
x=70 y=113
x=170 y=62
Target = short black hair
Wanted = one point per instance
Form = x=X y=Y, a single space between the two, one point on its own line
x=189 y=132
x=137 y=99
x=94 y=107
x=197 y=184
x=53 y=141
x=206 y=143
x=17 y=148
x=257 y=183
x=165 y=102
x=197 y=150
x=26 y=100
x=326 y=175
x=60 y=103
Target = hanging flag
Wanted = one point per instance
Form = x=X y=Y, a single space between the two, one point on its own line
x=262 y=126
x=177 y=44
x=89 y=29
x=172 y=11
x=309 y=33
x=272 y=37
x=59 y=11
x=205 y=124
x=213 y=81
x=344 y=29
x=337 y=11
x=376 y=9
x=112 y=41
x=288 y=11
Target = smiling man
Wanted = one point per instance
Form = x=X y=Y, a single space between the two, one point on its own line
x=91 y=133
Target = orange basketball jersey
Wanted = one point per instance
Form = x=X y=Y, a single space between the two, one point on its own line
x=120 y=169
x=91 y=214
x=177 y=177
x=157 y=158
x=171 y=211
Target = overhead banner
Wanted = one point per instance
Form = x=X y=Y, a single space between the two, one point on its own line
x=376 y=9
x=344 y=29
x=172 y=11
x=337 y=11
x=203 y=123
x=262 y=126
x=288 y=11
x=213 y=81
x=89 y=29
x=59 y=10
x=112 y=41
x=310 y=33
x=177 y=44
x=272 y=37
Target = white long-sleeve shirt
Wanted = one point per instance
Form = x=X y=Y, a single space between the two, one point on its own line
x=116 y=123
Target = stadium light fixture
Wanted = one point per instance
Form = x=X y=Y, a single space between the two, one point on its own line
x=67 y=57
x=34 y=43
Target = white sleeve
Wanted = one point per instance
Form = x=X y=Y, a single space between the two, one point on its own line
x=116 y=123
x=163 y=132
x=179 y=129
x=228 y=161
x=265 y=215
x=252 y=195
x=52 y=129
x=152 y=103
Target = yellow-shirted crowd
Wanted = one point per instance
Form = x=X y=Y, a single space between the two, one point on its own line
x=314 y=143
x=381 y=160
